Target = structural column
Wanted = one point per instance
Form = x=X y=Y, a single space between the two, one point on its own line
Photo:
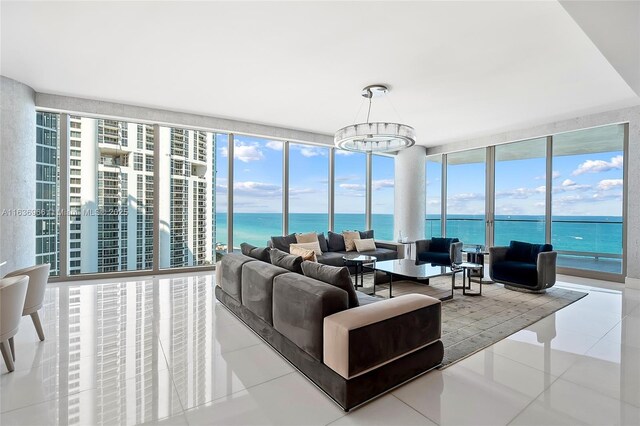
x=17 y=175
x=410 y=195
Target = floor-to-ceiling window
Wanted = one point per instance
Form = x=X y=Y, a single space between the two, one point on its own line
x=433 y=224
x=110 y=196
x=520 y=195
x=257 y=190
x=186 y=197
x=466 y=196
x=308 y=188
x=587 y=224
x=350 y=188
x=221 y=174
x=48 y=190
x=382 y=193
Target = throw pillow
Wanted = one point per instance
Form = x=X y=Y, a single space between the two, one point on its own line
x=259 y=253
x=349 y=236
x=282 y=243
x=306 y=254
x=365 y=245
x=324 y=246
x=309 y=237
x=336 y=276
x=315 y=246
x=285 y=260
x=336 y=242
x=365 y=235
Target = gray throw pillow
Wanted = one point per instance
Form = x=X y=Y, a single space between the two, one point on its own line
x=334 y=275
x=324 y=246
x=285 y=260
x=258 y=253
x=282 y=243
x=366 y=235
x=336 y=242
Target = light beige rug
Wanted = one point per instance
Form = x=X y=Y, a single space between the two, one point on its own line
x=470 y=324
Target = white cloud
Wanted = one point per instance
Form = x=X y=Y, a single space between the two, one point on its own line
x=343 y=152
x=598 y=166
x=256 y=189
x=309 y=151
x=244 y=152
x=569 y=185
x=275 y=145
x=299 y=191
x=382 y=183
x=520 y=193
x=352 y=187
x=554 y=175
x=470 y=196
x=608 y=184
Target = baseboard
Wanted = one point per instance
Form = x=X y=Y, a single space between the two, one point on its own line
x=632 y=283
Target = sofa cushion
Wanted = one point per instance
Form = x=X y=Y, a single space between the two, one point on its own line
x=332 y=258
x=258 y=253
x=365 y=245
x=365 y=235
x=306 y=254
x=308 y=237
x=282 y=243
x=524 y=273
x=536 y=249
x=336 y=276
x=285 y=260
x=324 y=246
x=336 y=242
x=441 y=245
x=257 y=288
x=231 y=275
x=315 y=246
x=300 y=305
x=382 y=254
x=519 y=251
x=349 y=238
x=435 y=258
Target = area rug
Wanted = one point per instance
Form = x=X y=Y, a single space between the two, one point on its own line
x=470 y=324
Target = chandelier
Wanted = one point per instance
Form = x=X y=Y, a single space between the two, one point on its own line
x=377 y=136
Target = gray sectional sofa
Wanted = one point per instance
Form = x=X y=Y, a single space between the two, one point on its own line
x=352 y=354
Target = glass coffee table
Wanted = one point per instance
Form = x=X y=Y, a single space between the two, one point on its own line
x=414 y=271
x=359 y=261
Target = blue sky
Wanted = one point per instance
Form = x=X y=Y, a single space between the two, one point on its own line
x=258 y=178
x=583 y=185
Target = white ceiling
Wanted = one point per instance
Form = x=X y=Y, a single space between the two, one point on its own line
x=456 y=69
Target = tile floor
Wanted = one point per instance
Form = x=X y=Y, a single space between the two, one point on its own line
x=163 y=351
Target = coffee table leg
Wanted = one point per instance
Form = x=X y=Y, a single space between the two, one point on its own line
x=390 y=286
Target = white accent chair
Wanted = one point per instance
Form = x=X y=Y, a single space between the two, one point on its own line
x=38 y=277
x=12 y=295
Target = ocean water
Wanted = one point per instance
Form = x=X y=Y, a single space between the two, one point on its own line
x=589 y=234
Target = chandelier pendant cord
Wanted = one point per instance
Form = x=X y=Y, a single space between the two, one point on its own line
x=369 y=110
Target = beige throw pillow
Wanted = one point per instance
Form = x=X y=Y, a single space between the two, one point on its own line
x=365 y=245
x=309 y=246
x=309 y=237
x=306 y=254
x=349 y=236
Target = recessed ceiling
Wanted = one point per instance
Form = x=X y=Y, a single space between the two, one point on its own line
x=455 y=69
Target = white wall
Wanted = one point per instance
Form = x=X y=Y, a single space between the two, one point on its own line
x=630 y=115
x=17 y=175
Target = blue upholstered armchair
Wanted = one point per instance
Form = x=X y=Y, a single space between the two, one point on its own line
x=439 y=251
x=524 y=266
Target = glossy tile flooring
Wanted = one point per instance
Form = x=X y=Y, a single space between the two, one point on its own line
x=163 y=351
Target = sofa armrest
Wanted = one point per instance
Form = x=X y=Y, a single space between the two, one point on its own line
x=455 y=252
x=361 y=339
x=219 y=274
x=392 y=245
x=546 y=266
x=422 y=246
x=496 y=254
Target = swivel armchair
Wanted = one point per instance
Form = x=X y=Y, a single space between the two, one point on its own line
x=524 y=266
x=439 y=251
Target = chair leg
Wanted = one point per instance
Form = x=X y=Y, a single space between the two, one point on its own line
x=4 y=348
x=38 y=325
x=12 y=347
